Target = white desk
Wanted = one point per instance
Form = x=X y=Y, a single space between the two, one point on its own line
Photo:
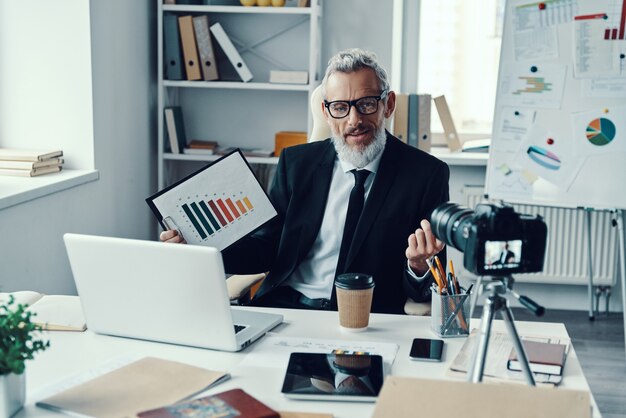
x=75 y=353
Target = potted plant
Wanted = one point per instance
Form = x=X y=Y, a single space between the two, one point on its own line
x=18 y=343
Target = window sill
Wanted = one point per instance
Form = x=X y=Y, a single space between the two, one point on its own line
x=16 y=190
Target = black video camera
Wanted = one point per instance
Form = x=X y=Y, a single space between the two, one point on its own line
x=495 y=239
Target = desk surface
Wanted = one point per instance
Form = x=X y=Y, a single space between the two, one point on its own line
x=75 y=353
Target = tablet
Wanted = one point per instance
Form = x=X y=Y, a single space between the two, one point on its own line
x=334 y=377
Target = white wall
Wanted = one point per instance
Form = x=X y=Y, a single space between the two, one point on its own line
x=124 y=97
x=357 y=23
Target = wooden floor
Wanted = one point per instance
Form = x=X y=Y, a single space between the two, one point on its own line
x=599 y=345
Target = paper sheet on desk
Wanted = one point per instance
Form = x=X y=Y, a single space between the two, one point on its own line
x=273 y=350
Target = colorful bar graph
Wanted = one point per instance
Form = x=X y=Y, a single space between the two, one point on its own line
x=209 y=215
x=225 y=211
x=217 y=212
x=202 y=218
x=241 y=207
x=194 y=221
x=232 y=208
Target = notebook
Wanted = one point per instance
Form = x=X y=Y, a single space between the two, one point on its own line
x=170 y=293
x=542 y=357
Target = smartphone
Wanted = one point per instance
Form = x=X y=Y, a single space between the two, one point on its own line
x=425 y=349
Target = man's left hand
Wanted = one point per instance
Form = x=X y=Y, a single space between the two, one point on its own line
x=422 y=246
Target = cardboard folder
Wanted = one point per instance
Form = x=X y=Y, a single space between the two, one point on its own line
x=402 y=397
x=419 y=121
x=190 y=52
x=452 y=138
x=205 y=48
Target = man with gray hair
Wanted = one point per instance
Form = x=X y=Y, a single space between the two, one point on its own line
x=356 y=202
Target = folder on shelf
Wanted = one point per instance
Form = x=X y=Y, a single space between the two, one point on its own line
x=205 y=48
x=173 y=59
x=175 y=128
x=401 y=117
x=190 y=52
x=452 y=137
x=419 y=121
x=231 y=52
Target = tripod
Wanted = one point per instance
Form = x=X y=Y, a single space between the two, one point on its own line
x=497 y=302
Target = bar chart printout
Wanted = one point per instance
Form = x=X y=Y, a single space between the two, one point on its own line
x=217 y=205
x=210 y=216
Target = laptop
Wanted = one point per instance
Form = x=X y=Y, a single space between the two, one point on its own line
x=170 y=293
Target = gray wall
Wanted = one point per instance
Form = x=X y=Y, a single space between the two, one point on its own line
x=124 y=73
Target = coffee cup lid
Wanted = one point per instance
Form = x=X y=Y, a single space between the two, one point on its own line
x=354 y=281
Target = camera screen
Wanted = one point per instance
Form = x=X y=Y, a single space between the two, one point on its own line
x=503 y=254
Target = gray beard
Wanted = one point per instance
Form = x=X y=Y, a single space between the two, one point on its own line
x=360 y=158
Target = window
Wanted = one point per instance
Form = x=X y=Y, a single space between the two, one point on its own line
x=459 y=53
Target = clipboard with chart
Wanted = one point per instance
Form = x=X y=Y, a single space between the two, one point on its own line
x=215 y=206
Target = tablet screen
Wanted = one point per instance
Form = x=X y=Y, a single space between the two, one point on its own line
x=353 y=377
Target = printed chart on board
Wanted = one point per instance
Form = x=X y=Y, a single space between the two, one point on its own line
x=215 y=206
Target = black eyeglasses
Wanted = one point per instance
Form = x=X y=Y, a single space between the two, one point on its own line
x=339 y=109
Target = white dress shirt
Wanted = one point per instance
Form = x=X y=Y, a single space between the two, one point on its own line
x=315 y=275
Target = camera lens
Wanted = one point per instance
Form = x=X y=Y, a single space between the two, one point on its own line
x=448 y=223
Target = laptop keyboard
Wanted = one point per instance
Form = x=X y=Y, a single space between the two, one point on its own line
x=239 y=328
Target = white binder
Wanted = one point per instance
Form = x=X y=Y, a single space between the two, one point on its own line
x=231 y=52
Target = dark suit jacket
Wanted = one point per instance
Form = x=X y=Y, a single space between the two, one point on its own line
x=409 y=184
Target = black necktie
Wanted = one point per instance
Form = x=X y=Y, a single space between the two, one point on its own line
x=355 y=207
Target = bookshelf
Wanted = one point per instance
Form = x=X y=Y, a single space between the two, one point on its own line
x=231 y=112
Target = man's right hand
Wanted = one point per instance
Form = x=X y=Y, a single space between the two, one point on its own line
x=172 y=236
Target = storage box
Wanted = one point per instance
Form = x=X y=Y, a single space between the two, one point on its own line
x=286 y=139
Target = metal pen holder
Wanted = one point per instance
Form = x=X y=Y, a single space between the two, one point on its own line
x=450 y=315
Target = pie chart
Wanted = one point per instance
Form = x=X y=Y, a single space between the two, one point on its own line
x=600 y=131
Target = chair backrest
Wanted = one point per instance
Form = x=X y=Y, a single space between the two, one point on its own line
x=320 y=130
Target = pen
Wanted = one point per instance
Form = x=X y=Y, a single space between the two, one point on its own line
x=171 y=225
x=469 y=289
x=451 y=284
x=435 y=275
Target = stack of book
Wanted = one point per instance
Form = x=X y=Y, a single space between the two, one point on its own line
x=200 y=147
x=29 y=163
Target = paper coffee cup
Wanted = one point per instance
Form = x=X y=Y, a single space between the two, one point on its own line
x=354 y=300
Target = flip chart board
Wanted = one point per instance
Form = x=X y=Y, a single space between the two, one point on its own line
x=559 y=135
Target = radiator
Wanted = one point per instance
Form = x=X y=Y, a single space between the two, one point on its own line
x=567 y=259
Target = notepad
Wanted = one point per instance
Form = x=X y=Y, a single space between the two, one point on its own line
x=542 y=357
x=51 y=312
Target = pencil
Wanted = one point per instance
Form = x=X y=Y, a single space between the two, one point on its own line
x=454 y=279
x=435 y=275
x=451 y=268
x=441 y=271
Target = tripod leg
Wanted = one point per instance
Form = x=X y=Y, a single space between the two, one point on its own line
x=507 y=315
x=478 y=365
